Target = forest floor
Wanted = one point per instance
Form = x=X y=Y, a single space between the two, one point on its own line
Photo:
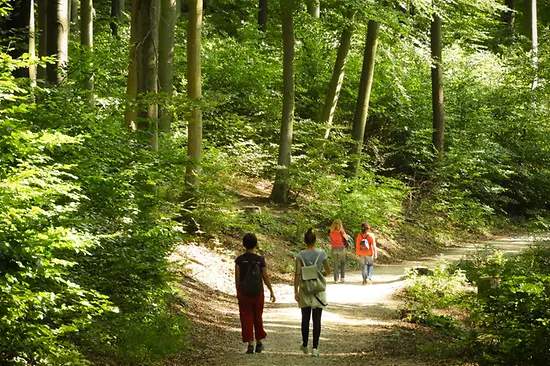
x=361 y=325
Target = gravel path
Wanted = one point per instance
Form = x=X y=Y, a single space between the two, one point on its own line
x=359 y=327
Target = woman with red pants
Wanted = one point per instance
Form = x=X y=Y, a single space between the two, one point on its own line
x=250 y=275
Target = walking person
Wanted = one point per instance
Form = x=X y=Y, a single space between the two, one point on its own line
x=250 y=276
x=311 y=304
x=365 y=249
x=338 y=248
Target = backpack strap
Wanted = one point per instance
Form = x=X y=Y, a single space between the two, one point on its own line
x=318 y=255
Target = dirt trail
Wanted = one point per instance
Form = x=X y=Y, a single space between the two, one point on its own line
x=360 y=325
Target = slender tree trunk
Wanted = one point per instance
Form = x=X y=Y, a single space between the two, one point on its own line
x=509 y=16
x=117 y=8
x=194 y=90
x=262 y=15
x=73 y=5
x=166 y=57
x=314 y=8
x=58 y=38
x=280 y=188
x=87 y=36
x=130 y=113
x=438 y=106
x=32 y=44
x=147 y=69
x=337 y=79
x=363 y=98
x=42 y=36
x=531 y=32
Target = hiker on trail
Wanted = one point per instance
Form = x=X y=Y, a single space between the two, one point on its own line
x=338 y=247
x=365 y=249
x=309 y=289
x=250 y=275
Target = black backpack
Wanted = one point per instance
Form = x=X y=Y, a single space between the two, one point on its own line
x=251 y=284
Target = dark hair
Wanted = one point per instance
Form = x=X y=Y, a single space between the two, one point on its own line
x=310 y=237
x=250 y=241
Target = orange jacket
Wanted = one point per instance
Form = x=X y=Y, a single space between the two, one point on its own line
x=365 y=244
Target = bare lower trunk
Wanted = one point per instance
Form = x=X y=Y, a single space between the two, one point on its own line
x=363 y=98
x=194 y=90
x=130 y=113
x=337 y=79
x=314 y=8
x=437 y=88
x=117 y=8
x=166 y=58
x=87 y=37
x=147 y=69
x=58 y=39
x=262 y=15
x=32 y=44
x=531 y=32
x=281 y=186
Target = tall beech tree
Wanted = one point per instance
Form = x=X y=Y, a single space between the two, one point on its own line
x=147 y=21
x=58 y=38
x=262 y=15
x=530 y=30
x=167 y=24
x=87 y=36
x=363 y=97
x=194 y=90
x=509 y=14
x=314 y=8
x=337 y=79
x=438 y=107
x=130 y=113
x=279 y=193
x=32 y=43
x=117 y=8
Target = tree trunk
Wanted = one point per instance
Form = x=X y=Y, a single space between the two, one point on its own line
x=280 y=188
x=74 y=11
x=509 y=16
x=147 y=69
x=167 y=25
x=87 y=37
x=194 y=90
x=531 y=32
x=130 y=113
x=314 y=8
x=438 y=107
x=363 y=98
x=58 y=38
x=337 y=79
x=117 y=8
x=42 y=36
x=262 y=15
x=32 y=44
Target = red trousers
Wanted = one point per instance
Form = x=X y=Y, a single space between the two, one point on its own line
x=251 y=310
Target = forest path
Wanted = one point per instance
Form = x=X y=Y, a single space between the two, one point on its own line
x=359 y=327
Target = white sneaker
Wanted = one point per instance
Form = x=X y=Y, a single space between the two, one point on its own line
x=315 y=352
x=304 y=349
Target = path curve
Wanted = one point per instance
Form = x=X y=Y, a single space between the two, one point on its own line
x=360 y=325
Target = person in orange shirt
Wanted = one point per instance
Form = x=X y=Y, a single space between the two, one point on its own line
x=365 y=249
x=338 y=248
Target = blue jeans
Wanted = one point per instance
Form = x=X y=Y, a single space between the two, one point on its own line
x=339 y=258
x=367 y=264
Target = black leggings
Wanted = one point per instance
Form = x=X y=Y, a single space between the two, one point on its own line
x=306 y=314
